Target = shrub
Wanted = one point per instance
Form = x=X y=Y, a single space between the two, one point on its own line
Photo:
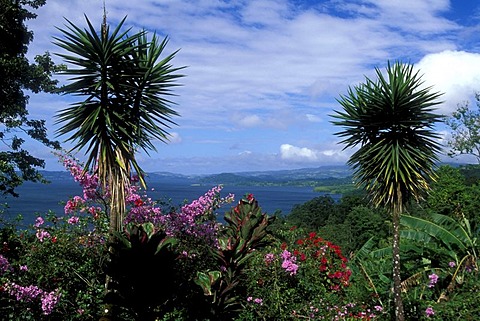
x=301 y=278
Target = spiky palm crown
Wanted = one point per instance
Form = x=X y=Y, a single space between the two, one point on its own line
x=126 y=86
x=392 y=121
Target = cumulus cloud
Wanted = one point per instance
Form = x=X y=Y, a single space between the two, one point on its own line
x=294 y=153
x=455 y=73
x=249 y=121
x=273 y=68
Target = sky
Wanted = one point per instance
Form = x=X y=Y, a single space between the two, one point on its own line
x=262 y=77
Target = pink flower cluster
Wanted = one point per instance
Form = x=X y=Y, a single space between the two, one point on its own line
x=433 y=280
x=88 y=181
x=141 y=208
x=41 y=233
x=197 y=218
x=4 y=265
x=30 y=293
x=91 y=191
x=258 y=301
x=288 y=263
x=429 y=312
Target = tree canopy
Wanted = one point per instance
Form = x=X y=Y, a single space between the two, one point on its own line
x=19 y=77
x=465 y=125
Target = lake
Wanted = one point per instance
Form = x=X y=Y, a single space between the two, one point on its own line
x=39 y=198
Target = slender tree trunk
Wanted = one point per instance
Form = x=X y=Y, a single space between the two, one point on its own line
x=118 y=181
x=397 y=280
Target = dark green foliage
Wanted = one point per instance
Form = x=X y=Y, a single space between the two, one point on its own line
x=246 y=232
x=455 y=194
x=363 y=223
x=142 y=266
x=314 y=213
x=17 y=76
x=69 y=261
x=350 y=222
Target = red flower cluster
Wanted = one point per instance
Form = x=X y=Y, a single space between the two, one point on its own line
x=329 y=258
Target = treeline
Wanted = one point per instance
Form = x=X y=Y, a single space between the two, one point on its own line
x=352 y=220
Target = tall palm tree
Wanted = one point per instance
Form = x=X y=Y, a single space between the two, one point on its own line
x=391 y=120
x=126 y=88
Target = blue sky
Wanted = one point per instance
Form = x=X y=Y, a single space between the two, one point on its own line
x=262 y=76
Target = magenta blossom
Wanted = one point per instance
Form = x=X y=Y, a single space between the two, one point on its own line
x=42 y=234
x=288 y=263
x=73 y=220
x=39 y=221
x=433 y=280
x=429 y=312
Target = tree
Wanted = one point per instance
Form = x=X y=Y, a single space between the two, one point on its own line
x=392 y=120
x=314 y=213
x=18 y=75
x=452 y=196
x=465 y=124
x=126 y=85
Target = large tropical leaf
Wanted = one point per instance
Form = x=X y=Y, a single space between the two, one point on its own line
x=443 y=229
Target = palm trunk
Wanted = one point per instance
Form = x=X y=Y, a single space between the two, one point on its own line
x=397 y=280
x=118 y=181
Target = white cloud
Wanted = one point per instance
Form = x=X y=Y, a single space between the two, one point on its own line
x=290 y=152
x=273 y=68
x=313 y=118
x=455 y=73
x=174 y=138
x=249 y=121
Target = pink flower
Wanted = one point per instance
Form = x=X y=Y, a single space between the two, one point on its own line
x=39 y=221
x=73 y=220
x=4 y=265
x=433 y=280
x=42 y=234
x=269 y=258
x=258 y=301
x=49 y=301
x=429 y=312
x=289 y=262
x=451 y=264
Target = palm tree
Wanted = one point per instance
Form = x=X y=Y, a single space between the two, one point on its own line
x=392 y=121
x=126 y=86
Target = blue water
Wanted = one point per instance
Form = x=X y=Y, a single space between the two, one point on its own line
x=40 y=198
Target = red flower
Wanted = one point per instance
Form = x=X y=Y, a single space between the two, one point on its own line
x=293 y=228
x=138 y=202
x=312 y=235
x=54 y=239
x=303 y=257
x=283 y=246
x=300 y=242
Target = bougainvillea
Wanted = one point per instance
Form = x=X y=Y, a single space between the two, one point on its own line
x=326 y=257
x=302 y=278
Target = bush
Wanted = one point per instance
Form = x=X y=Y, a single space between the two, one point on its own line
x=301 y=277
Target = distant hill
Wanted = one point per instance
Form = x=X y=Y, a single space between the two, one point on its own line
x=327 y=175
